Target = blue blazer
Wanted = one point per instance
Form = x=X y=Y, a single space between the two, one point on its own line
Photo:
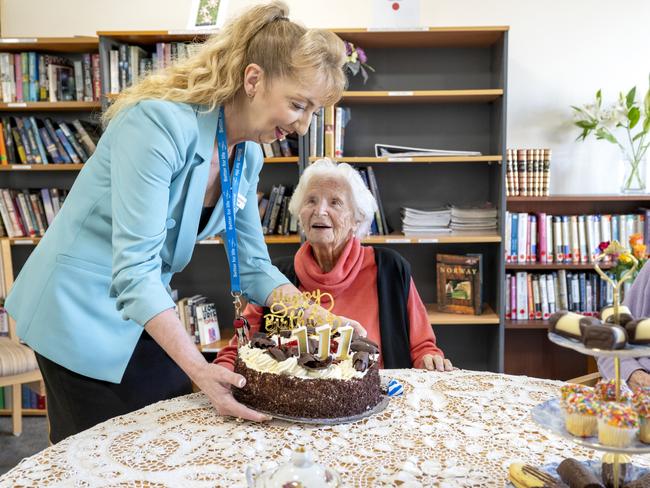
x=129 y=223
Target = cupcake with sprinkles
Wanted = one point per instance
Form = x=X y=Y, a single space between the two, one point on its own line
x=641 y=402
x=606 y=391
x=570 y=388
x=617 y=424
x=581 y=414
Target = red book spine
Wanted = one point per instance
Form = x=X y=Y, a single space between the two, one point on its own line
x=541 y=237
x=40 y=403
x=97 y=86
x=513 y=296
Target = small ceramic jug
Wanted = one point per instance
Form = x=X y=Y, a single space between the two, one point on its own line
x=300 y=472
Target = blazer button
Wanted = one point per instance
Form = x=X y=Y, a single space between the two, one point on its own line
x=170 y=224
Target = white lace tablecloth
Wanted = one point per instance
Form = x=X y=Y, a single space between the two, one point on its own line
x=448 y=429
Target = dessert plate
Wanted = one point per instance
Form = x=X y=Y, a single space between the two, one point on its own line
x=629 y=351
x=333 y=421
x=633 y=472
x=550 y=416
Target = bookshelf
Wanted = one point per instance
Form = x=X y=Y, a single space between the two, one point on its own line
x=38 y=175
x=459 y=104
x=442 y=88
x=527 y=349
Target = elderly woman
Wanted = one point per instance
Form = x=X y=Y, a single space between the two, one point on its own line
x=370 y=285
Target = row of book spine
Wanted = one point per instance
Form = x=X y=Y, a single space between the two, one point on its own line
x=535 y=296
x=274 y=212
x=35 y=77
x=30 y=399
x=278 y=148
x=28 y=213
x=29 y=140
x=128 y=64
x=571 y=239
x=528 y=172
x=199 y=316
x=327 y=131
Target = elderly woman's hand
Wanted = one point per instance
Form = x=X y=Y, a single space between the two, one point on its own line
x=436 y=363
x=358 y=328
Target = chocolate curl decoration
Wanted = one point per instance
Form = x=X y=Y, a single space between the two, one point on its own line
x=276 y=353
x=364 y=346
x=262 y=342
x=360 y=361
x=310 y=361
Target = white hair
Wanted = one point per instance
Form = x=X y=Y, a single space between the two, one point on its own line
x=364 y=204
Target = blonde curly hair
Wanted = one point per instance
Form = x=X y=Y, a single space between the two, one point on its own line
x=262 y=35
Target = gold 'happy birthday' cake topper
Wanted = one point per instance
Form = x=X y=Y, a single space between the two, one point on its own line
x=287 y=312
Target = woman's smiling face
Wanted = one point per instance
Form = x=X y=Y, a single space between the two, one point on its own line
x=327 y=213
x=281 y=107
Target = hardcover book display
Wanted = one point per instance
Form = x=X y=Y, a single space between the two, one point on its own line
x=459 y=284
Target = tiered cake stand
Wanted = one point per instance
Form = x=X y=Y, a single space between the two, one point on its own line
x=549 y=414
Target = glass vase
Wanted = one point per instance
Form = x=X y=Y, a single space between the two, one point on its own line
x=634 y=175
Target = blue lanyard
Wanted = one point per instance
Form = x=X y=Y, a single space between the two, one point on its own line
x=229 y=193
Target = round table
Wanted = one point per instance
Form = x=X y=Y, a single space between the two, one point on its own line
x=461 y=428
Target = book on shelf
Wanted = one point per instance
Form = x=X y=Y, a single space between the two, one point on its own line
x=459 y=283
x=536 y=296
x=274 y=212
x=379 y=224
x=29 y=398
x=31 y=140
x=388 y=150
x=567 y=239
x=37 y=77
x=129 y=63
x=528 y=172
x=28 y=213
x=199 y=317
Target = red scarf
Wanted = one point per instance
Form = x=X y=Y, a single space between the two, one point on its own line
x=336 y=281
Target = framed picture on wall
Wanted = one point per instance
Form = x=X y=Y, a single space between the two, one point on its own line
x=207 y=14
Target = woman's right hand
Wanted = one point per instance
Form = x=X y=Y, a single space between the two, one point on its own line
x=215 y=381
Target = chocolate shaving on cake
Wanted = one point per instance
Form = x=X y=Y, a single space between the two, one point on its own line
x=360 y=361
x=276 y=353
x=364 y=346
x=262 y=342
x=368 y=341
x=311 y=330
x=286 y=333
x=309 y=361
x=260 y=335
x=291 y=352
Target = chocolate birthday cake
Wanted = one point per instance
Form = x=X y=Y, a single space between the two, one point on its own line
x=282 y=380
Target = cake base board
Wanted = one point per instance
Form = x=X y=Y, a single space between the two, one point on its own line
x=381 y=406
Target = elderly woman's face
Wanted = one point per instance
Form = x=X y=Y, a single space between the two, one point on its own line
x=327 y=214
x=281 y=107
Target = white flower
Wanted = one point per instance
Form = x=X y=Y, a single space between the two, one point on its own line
x=354 y=56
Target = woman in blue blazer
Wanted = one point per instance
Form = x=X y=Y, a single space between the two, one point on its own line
x=100 y=275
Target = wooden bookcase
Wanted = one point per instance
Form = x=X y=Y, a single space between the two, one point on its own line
x=21 y=176
x=527 y=348
x=443 y=88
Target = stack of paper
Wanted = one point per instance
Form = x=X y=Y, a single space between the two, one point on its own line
x=474 y=218
x=419 y=221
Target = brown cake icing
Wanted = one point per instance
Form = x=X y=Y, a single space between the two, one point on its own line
x=280 y=380
x=309 y=398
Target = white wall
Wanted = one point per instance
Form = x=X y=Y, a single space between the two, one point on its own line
x=560 y=53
